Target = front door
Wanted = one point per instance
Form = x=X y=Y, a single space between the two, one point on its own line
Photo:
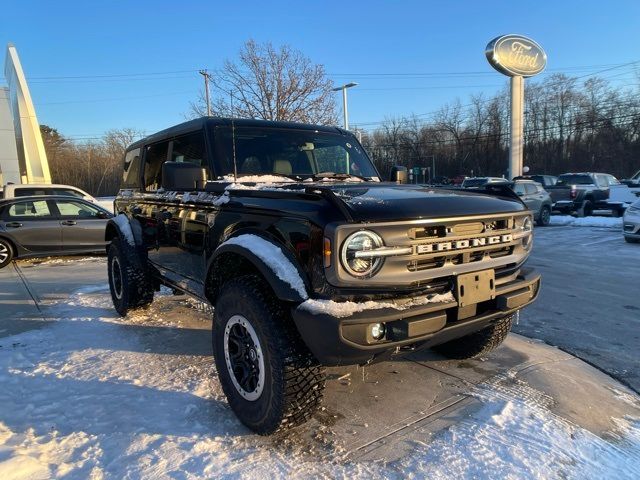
x=32 y=224
x=83 y=225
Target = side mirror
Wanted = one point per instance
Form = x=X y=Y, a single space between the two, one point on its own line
x=183 y=176
x=399 y=174
x=103 y=215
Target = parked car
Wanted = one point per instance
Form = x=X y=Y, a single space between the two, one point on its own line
x=477 y=182
x=583 y=192
x=13 y=190
x=536 y=198
x=310 y=260
x=631 y=223
x=50 y=225
x=544 y=180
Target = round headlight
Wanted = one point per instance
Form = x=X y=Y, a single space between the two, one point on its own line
x=361 y=265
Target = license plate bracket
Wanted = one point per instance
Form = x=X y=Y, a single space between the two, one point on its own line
x=476 y=287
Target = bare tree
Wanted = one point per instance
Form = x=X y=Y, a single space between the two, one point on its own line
x=272 y=84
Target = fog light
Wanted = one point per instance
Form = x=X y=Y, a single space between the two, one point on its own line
x=377 y=330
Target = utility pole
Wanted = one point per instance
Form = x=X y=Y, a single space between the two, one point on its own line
x=207 y=77
x=344 y=101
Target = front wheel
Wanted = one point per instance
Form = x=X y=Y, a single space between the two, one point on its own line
x=129 y=281
x=478 y=343
x=6 y=253
x=270 y=379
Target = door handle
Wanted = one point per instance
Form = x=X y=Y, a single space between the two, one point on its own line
x=13 y=224
x=69 y=222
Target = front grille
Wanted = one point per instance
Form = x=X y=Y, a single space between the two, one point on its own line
x=461 y=243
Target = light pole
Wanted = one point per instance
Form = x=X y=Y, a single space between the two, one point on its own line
x=207 y=77
x=344 y=101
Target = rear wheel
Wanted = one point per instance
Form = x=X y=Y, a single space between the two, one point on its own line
x=271 y=380
x=129 y=281
x=6 y=253
x=586 y=210
x=479 y=343
x=544 y=217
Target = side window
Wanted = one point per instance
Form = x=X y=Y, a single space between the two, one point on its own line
x=68 y=192
x=613 y=180
x=530 y=188
x=519 y=188
x=602 y=181
x=131 y=171
x=72 y=209
x=29 y=210
x=189 y=148
x=155 y=156
x=28 y=192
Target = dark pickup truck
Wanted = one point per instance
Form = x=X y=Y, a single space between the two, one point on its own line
x=310 y=260
x=581 y=193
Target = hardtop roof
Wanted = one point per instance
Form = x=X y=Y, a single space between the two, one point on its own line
x=198 y=123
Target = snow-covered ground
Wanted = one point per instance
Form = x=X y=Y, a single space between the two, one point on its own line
x=568 y=220
x=91 y=395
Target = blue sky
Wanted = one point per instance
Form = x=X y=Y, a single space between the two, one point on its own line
x=352 y=39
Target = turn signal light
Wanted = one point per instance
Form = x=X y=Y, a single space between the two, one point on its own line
x=326 y=252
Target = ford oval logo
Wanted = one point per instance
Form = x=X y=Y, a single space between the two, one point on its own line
x=515 y=55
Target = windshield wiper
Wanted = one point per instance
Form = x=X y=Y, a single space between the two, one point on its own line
x=340 y=176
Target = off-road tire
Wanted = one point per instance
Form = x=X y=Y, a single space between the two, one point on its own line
x=129 y=281
x=5 y=249
x=544 y=217
x=293 y=383
x=478 y=343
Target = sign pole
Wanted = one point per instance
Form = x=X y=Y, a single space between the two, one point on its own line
x=517 y=127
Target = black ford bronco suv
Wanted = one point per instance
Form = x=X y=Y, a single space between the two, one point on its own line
x=309 y=259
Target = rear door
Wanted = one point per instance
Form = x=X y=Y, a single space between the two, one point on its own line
x=82 y=225
x=534 y=197
x=33 y=225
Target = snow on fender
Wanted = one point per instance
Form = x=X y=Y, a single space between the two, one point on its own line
x=273 y=257
x=122 y=221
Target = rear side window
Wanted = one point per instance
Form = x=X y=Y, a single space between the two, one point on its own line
x=131 y=175
x=155 y=156
x=29 y=192
x=29 y=210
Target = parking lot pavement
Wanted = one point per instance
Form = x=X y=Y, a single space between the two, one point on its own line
x=87 y=389
x=589 y=304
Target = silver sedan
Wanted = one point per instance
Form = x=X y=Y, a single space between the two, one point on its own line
x=631 y=223
x=50 y=225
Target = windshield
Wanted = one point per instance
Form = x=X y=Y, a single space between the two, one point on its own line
x=574 y=180
x=290 y=152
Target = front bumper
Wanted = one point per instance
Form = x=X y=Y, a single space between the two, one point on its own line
x=346 y=341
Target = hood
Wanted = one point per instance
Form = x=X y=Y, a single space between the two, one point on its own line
x=389 y=202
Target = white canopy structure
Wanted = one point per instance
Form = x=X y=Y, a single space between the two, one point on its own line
x=22 y=155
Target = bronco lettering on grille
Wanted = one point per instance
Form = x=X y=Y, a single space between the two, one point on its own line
x=462 y=244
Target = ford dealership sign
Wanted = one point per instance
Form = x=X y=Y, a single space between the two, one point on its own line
x=515 y=55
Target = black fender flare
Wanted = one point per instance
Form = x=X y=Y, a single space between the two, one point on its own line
x=282 y=289
x=114 y=228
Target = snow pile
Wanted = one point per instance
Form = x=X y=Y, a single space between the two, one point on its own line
x=95 y=396
x=205 y=197
x=346 y=309
x=273 y=257
x=125 y=228
x=567 y=220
